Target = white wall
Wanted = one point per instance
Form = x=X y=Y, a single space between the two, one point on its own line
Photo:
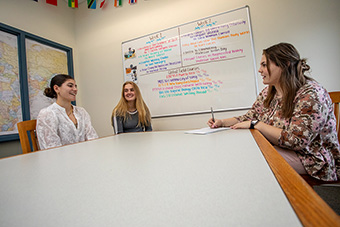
x=45 y=20
x=96 y=37
x=311 y=25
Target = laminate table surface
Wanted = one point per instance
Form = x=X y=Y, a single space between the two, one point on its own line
x=145 y=179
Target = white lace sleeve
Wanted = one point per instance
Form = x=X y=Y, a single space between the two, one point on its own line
x=90 y=132
x=47 y=130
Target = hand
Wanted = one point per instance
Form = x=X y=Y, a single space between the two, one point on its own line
x=216 y=124
x=242 y=125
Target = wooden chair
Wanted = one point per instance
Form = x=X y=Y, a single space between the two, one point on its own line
x=335 y=96
x=23 y=128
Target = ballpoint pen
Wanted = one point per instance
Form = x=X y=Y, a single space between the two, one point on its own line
x=212 y=114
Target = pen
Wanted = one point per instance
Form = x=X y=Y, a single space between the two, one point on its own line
x=212 y=114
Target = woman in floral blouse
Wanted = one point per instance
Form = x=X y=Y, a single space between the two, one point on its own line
x=295 y=113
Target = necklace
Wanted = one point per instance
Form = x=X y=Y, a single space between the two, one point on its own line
x=132 y=112
x=70 y=112
x=75 y=123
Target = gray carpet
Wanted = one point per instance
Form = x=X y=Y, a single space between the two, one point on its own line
x=330 y=193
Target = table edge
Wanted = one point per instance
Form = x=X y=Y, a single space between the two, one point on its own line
x=307 y=204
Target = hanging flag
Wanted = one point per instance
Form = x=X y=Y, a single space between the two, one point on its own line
x=102 y=4
x=73 y=3
x=91 y=4
x=117 y=3
x=132 y=1
x=52 y=2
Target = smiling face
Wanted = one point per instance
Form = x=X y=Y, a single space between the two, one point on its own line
x=67 y=91
x=129 y=92
x=270 y=72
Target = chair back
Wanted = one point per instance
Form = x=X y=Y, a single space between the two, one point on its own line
x=23 y=128
x=335 y=96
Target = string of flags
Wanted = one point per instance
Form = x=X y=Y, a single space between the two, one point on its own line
x=91 y=4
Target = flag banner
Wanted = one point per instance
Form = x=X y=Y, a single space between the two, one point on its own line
x=132 y=1
x=117 y=3
x=102 y=4
x=52 y=2
x=73 y=3
x=91 y=4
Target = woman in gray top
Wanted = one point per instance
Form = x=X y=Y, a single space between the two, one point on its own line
x=131 y=113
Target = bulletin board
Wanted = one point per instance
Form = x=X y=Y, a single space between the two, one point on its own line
x=192 y=67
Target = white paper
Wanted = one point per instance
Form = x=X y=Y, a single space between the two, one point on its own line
x=207 y=130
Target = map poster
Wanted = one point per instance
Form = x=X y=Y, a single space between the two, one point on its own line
x=43 y=62
x=10 y=102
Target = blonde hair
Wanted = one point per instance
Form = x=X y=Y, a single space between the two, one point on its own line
x=144 y=116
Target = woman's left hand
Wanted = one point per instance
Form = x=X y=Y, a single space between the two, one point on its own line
x=272 y=133
x=241 y=125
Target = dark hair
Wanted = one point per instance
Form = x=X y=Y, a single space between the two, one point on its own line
x=285 y=56
x=58 y=80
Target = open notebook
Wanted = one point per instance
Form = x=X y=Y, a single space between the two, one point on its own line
x=207 y=130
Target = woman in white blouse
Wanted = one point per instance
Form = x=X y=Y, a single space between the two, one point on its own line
x=63 y=123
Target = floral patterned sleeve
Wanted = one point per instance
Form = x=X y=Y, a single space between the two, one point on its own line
x=309 y=120
x=256 y=108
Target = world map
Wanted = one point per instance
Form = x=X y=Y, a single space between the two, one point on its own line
x=43 y=62
x=10 y=103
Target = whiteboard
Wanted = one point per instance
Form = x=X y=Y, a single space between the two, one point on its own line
x=192 y=67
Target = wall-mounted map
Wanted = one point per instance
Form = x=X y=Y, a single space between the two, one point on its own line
x=10 y=102
x=27 y=64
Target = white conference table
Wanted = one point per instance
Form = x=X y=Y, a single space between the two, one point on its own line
x=145 y=179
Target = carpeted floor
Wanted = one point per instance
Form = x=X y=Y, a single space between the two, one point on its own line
x=330 y=193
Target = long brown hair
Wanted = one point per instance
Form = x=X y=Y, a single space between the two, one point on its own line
x=144 y=116
x=285 y=56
